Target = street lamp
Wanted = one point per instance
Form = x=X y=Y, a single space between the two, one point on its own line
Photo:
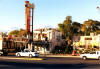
x=33 y=6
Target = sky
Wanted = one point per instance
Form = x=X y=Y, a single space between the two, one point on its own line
x=47 y=13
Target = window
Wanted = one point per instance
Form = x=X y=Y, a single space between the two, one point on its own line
x=54 y=35
x=26 y=50
x=88 y=38
x=93 y=53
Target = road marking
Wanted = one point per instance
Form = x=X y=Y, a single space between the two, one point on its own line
x=21 y=58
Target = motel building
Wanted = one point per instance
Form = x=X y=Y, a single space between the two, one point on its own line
x=13 y=44
x=44 y=41
x=87 y=43
x=48 y=38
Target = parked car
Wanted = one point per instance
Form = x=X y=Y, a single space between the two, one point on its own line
x=91 y=55
x=1 y=52
x=27 y=52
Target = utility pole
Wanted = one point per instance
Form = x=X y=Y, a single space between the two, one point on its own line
x=33 y=6
x=32 y=24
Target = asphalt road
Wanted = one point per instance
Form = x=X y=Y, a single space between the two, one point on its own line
x=50 y=63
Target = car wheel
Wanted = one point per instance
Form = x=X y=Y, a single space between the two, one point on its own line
x=84 y=58
x=99 y=57
x=30 y=55
x=18 y=55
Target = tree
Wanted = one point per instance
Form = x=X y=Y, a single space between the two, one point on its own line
x=4 y=34
x=14 y=32
x=90 y=26
x=76 y=28
x=22 y=32
x=65 y=27
x=18 y=33
x=69 y=28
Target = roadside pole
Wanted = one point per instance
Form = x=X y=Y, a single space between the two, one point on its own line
x=33 y=6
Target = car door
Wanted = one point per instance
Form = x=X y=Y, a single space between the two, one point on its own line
x=92 y=55
x=26 y=53
x=20 y=53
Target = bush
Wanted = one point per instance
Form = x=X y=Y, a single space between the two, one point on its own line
x=5 y=51
x=66 y=51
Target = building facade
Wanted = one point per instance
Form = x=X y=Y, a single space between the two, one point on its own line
x=44 y=41
x=51 y=38
x=91 y=42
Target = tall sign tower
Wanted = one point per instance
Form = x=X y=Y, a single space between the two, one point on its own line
x=27 y=16
x=29 y=9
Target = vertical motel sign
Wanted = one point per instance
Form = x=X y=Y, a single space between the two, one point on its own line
x=28 y=8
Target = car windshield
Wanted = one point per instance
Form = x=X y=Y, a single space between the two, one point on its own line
x=26 y=50
x=32 y=50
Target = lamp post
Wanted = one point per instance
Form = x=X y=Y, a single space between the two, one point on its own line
x=32 y=19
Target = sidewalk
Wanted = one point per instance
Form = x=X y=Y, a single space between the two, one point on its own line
x=52 y=55
x=60 y=55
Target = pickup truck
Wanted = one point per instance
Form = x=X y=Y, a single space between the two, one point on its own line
x=27 y=52
x=91 y=55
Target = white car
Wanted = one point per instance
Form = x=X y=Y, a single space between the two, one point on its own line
x=27 y=52
x=91 y=55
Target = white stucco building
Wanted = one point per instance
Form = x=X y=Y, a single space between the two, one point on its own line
x=53 y=37
x=88 y=42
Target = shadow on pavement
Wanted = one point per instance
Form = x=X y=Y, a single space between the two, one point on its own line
x=22 y=65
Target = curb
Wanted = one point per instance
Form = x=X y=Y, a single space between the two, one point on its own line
x=60 y=56
x=21 y=58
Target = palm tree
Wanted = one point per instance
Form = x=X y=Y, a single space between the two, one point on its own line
x=66 y=30
x=65 y=27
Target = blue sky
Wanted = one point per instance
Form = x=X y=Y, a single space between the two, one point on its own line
x=46 y=12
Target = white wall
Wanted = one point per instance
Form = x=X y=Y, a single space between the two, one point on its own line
x=0 y=43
